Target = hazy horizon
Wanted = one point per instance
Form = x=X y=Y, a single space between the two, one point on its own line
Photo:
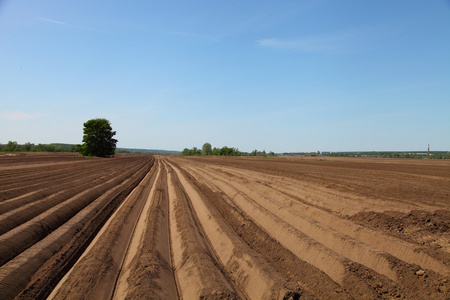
x=267 y=150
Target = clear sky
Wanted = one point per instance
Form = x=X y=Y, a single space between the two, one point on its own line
x=282 y=76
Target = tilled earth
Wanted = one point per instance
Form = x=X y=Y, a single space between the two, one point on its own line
x=171 y=227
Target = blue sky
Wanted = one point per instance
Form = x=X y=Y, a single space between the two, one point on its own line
x=283 y=76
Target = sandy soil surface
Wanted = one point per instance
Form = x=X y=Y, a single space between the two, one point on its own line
x=171 y=227
x=51 y=207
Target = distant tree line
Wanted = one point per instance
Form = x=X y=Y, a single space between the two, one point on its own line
x=224 y=151
x=29 y=147
x=97 y=141
x=432 y=155
x=56 y=147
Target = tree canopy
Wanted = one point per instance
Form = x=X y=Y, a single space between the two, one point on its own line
x=206 y=149
x=98 y=138
x=224 y=151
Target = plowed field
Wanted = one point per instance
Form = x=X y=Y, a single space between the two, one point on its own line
x=170 y=227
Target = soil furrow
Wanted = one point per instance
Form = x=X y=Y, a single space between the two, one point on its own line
x=372 y=178
x=308 y=276
x=48 y=198
x=38 y=269
x=341 y=203
x=95 y=274
x=294 y=240
x=251 y=272
x=38 y=176
x=336 y=266
x=147 y=269
x=173 y=227
x=256 y=190
x=43 y=181
x=269 y=186
x=336 y=241
x=18 y=239
x=197 y=272
x=408 y=252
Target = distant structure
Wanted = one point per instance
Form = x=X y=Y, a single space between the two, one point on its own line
x=428 y=151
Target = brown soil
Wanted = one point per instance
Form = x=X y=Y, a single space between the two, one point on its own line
x=170 y=227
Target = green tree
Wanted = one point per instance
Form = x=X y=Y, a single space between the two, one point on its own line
x=215 y=151
x=98 y=139
x=206 y=149
x=10 y=147
x=28 y=146
x=186 y=152
x=191 y=152
x=196 y=151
